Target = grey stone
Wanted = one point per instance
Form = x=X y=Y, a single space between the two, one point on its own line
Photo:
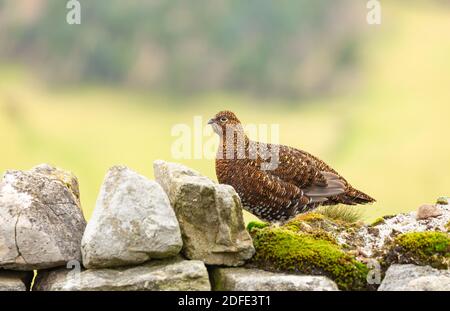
x=415 y=278
x=15 y=280
x=442 y=201
x=242 y=279
x=173 y=274
x=132 y=222
x=210 y=216
x=371 y=240
x=41 y=221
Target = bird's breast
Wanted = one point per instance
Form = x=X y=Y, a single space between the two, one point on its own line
x=231 y=171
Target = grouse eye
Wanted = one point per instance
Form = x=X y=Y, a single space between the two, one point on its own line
x=223 y=119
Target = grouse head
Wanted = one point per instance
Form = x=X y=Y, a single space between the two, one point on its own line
x=225 y=121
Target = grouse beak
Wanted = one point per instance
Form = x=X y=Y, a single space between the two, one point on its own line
x=211 y=121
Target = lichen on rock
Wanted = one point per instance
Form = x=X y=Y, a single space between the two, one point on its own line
x=256 y=225
x=41 y=221
x=373 y=239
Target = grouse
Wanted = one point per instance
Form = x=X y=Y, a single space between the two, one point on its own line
x=276 y=182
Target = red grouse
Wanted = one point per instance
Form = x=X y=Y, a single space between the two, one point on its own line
x=276 y=182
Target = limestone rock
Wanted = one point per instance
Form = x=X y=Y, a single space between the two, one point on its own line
x=428 y=211
x=242 y=279
x=172 y=274
x=132 y=222
x=370 y=240
x=15 y=281
x=415 y=278
x=210 y=216
x=41 y=222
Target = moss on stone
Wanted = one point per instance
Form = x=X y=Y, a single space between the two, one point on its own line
x=421 y=248
x=426 y=243
x=308 y=217
x=313 y=225
x=378 y=221
x=282 y=249
x=313 y=222
x=447 y=226
x=256 y=225
x=309 y=222
x=323 y=235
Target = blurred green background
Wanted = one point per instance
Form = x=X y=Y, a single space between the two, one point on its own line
x=372 y=101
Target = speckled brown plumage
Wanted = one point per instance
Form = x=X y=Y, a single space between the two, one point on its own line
x=298 y=183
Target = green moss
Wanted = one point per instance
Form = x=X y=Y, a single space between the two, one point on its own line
x=308 y=217
x=377 y=222
x=426 y=243
x=281 y=249
x=422 y=248
x=343 y=213
x=447 y=226
x=256 y=225
x=312 y=222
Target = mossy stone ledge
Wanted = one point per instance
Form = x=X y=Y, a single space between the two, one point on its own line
x=421 y=248
x=288 y=249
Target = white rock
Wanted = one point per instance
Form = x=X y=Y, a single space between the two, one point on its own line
x=415 y=278
x=132 y=222
x=210 y=216
x=242 y=279
x=172 y=274
x=41 y=222
x=375 y=237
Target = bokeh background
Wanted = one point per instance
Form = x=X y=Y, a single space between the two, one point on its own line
x=373 y=101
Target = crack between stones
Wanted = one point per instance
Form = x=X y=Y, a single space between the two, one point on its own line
x=19 y=254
